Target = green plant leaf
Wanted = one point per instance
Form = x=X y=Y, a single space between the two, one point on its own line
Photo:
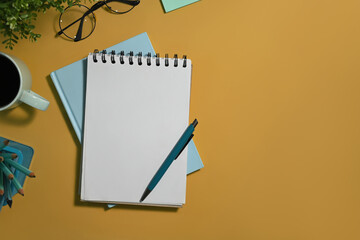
x=17 y=17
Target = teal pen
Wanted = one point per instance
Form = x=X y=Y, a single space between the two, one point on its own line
x=19 y=167
x=7 y=172
x=173 y=155
x=8 y=155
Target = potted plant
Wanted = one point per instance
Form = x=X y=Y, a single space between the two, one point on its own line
x=17 y=18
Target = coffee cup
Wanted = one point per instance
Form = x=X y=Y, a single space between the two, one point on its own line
x=15 y=85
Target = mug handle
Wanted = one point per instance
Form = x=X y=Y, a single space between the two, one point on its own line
x=34 y=100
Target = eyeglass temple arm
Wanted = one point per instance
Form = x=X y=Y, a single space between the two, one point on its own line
x=92 y=9
x=62 y=31
x=132 y=3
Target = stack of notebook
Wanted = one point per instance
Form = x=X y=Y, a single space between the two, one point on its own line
x=137 y=106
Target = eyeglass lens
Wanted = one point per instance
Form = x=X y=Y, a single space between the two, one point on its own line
x=70 y=15
x=78 y=22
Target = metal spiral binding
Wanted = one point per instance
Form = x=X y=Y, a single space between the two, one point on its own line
x=148 y=60
x=103 y=53
x=176 y=60
x=157 y=59
x=184 y=64
x=139 y=58
x=94 y=55
x=166 y=60
x=131 y=58
x=122 y=57
x=113 y=56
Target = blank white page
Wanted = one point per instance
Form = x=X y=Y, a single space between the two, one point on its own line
x=134 y=115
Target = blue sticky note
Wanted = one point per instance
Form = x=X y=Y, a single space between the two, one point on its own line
x=170 y=5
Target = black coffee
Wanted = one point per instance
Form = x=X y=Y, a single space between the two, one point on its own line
x=10 y=82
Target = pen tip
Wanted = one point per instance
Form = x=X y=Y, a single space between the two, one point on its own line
x=32 y=175
x=195 y=122
x=145 y=194
x=9 y=202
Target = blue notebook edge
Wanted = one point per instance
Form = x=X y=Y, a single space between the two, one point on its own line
x=66 y=105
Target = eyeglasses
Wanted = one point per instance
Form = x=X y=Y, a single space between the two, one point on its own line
x=78 y=22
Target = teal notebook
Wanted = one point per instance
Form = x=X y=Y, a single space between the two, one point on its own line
x=70 y=81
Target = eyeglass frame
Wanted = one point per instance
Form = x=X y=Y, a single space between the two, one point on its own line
x=91 y=11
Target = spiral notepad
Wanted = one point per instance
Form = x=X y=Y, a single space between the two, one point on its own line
x=137 y=107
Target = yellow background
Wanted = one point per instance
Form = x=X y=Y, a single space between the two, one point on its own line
x=276 y=91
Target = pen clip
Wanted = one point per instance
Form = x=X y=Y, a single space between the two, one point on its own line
x=184 y=146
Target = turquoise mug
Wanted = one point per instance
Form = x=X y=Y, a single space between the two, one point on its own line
x=16 y=84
